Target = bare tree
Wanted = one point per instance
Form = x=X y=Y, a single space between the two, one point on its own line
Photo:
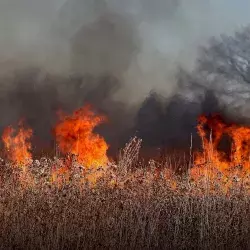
x=228 y=57
x=223 y=67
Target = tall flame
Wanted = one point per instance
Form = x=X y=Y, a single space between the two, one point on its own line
x=74 y=135
x=17 y=144
x=211 y=130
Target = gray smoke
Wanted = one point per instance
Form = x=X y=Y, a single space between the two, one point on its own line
x=114 y=54
x=141 y=41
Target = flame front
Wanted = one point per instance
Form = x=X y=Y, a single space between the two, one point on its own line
x=74 y=135
x=223 y=162
x=17 y=144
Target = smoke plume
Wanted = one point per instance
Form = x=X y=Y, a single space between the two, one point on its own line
x=123 y=57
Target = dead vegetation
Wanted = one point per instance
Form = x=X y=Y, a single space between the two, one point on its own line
x=147 y=207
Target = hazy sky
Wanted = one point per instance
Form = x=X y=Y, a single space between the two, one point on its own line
x=170 y=33
x=22 y=20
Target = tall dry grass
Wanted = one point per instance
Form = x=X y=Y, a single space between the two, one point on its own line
x=133 y=206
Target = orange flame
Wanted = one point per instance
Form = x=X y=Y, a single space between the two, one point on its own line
x=17 y=144
x=74 y=135
x=222 y=162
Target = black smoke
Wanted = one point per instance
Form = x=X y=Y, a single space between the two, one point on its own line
x=161 y=123
x=114 y=67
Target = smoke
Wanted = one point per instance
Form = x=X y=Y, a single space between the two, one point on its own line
x=115 y=54
x=141 y=41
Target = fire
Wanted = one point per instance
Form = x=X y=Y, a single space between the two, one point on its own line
x=86 y=153
x=17 y=144
x=74 y=135
x=211 y=130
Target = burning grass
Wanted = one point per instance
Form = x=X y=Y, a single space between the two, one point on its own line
x=69 y=203
x=128 y=207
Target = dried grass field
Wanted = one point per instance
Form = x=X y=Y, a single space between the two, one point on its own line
x=125 y=206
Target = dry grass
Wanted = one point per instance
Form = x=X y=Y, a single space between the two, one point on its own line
x=126 y=209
